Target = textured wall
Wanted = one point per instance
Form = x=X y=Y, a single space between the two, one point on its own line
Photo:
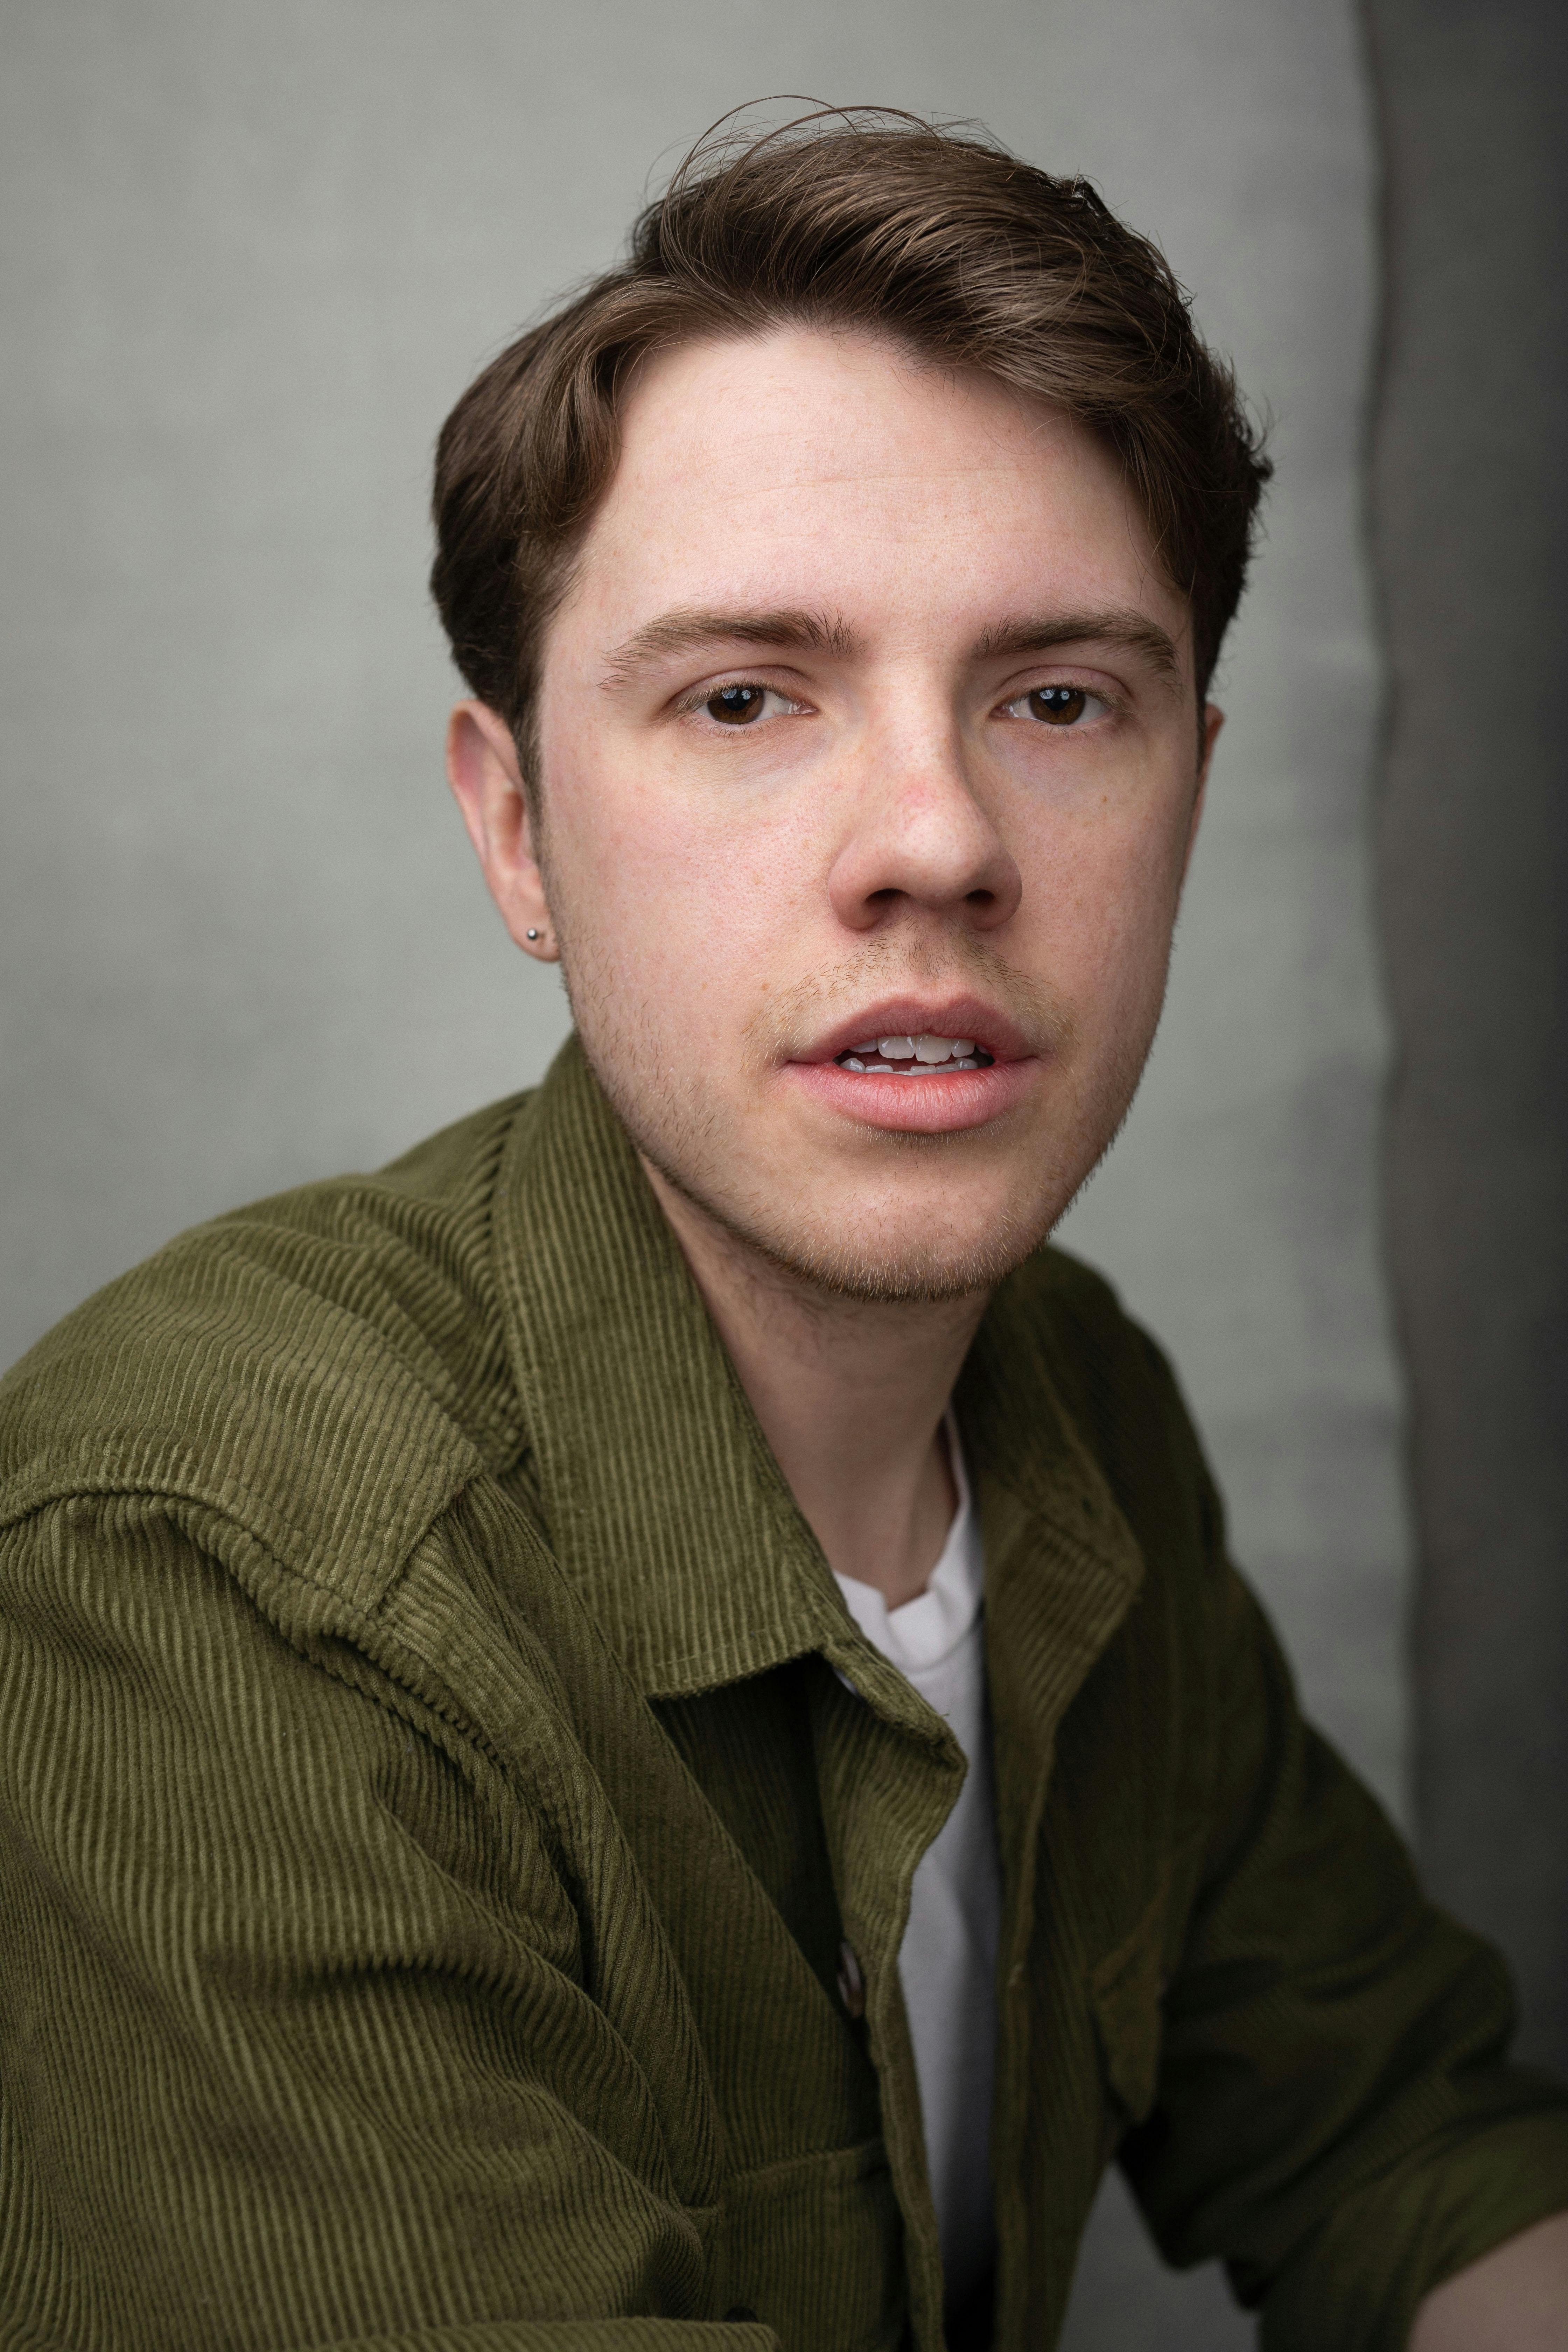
x=1471 y=487
x=252 y=254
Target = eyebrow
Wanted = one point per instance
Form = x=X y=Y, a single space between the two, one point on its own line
x=792 y=628
x=1118 y=625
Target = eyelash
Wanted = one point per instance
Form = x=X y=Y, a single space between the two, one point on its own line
x=699 y=697
x=1112 y=706
x=690 y=705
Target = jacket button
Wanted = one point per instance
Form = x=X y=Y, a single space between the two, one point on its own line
x=740 y=2311
x=851 y=1983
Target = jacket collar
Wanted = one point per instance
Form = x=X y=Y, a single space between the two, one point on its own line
x=662 y=1500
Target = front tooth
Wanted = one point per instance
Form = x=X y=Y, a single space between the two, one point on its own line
x=932 y=1049
x=896 y=1049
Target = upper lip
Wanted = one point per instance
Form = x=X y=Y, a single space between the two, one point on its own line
x=911 y=1016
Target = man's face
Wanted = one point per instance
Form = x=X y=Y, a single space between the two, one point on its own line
x=867 y=724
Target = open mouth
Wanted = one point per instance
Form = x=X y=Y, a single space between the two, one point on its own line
x=868 y=1070
x=925 y=1056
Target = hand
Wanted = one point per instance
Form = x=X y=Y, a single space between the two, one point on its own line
x=1515 y=2299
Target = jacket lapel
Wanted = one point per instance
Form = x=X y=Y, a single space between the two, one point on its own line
x=663 y=1502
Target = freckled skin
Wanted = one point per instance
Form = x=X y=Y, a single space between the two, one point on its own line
x=895 y=824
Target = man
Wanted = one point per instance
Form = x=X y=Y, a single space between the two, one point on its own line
x=637 y=1732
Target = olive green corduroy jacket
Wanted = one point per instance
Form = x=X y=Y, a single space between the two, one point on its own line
x=431 y=1808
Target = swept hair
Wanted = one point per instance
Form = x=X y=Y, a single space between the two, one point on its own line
x=934 y=236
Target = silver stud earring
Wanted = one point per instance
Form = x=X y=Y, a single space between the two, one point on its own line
x=533 y=935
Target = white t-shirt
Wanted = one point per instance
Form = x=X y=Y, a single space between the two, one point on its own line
x=947 y=1962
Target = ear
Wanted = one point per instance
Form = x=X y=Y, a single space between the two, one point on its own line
x=1213 y=719
x=487 y=784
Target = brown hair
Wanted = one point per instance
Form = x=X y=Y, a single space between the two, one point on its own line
x=937 y=240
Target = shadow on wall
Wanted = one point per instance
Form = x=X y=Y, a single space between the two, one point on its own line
x=1471 y=484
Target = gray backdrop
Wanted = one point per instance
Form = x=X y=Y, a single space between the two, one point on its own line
x=1471 y=486
x=251 y=257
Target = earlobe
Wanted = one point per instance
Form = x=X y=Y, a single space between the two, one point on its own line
x=487 y=783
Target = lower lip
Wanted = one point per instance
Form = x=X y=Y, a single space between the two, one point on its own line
x=917 y=1106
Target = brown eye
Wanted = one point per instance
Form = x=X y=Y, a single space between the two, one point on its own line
x=1059 y=706
x=736 y=706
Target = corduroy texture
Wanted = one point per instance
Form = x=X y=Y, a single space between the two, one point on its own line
x=430 y=1809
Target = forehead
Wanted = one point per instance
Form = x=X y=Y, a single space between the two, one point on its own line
x=806 y=467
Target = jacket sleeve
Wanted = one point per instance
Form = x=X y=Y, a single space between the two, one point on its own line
x=1335 y=2116
x=295 y=2043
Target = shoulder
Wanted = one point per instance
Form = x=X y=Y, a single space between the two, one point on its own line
x=325 y=1368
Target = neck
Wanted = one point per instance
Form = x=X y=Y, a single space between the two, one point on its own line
x=850 y=1394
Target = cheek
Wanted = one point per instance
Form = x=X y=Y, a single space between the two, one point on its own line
x=670 y=892
x=1106 y=896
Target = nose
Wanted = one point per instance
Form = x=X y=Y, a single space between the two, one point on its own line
x=919 y=838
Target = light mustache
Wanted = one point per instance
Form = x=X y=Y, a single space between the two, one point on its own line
x=792 y=1022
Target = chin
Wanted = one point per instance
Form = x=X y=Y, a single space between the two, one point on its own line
x=955 y=1231
x=918 y=1276
x=854 y=1253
